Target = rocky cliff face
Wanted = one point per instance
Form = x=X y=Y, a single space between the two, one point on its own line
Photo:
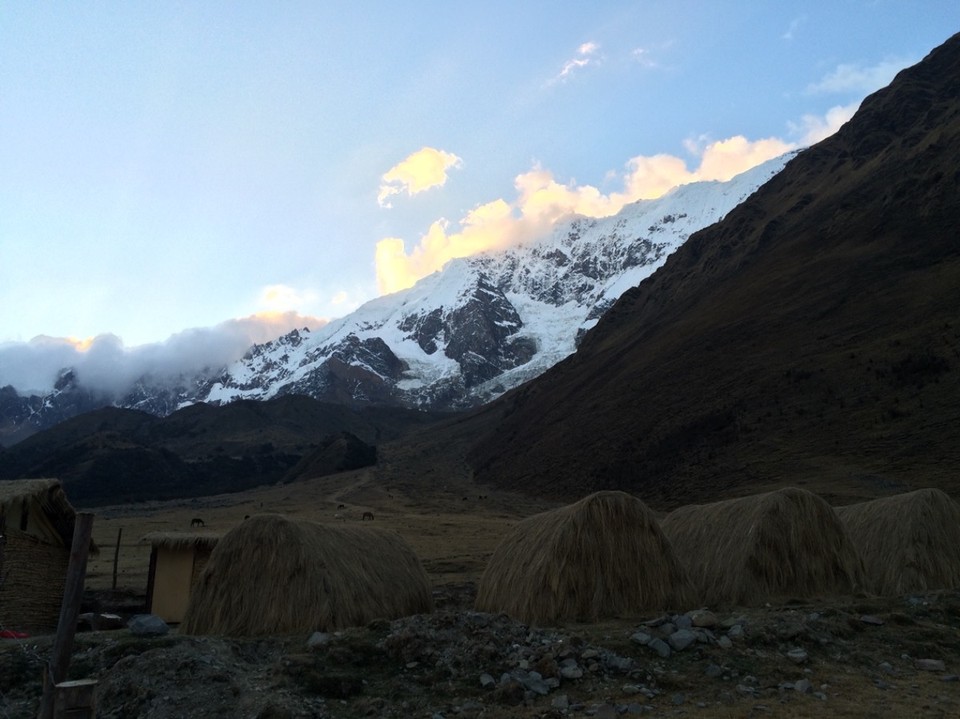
x=456 y=339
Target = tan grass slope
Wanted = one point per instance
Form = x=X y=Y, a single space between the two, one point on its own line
x=271 y=576
x=909 y=542
x=779 y=545
x=603 y=556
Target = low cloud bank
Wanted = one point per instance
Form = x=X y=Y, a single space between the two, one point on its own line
x=103 y=363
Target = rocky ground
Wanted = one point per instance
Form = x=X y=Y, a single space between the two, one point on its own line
x=850 y=658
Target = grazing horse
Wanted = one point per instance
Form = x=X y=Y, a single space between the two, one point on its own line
x=367 y=515
x=196 y=522
x=341 y=506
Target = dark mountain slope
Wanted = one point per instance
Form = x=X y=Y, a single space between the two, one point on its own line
x=812 y=337
x=116 y=455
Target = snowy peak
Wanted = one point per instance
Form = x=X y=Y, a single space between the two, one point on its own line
x=456 y=339
x=484 y=324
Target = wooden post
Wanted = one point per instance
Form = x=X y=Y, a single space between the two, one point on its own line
x=56 y=670
x=116 y=558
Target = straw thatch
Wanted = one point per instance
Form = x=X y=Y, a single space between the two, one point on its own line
x=774 y=546
x=272 y=575
x=909 y=542
x=36 y=524
x=182 y=540
x=603 y=556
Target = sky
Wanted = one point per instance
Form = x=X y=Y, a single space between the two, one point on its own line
x=179 y=180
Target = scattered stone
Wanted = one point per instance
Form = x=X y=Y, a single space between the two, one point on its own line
x=605 y=711
x=631 y=688
x=871 y=620
x=641 y=638
x=803 y=686
x=561 y=701
x=724 y=642
x=318 y=639
x=571 y=672
x=950 y=678
x=660 y=647
x=797 y=655
x=679 y=699
x=147 y=625
x=510 y=693
x=487 y=681
x=681 y=639
x=931 y=665
x=683 y=621
x=820 y=695
x=735 y=632
x=886 y=666
x=704 y=619
x=713 y=671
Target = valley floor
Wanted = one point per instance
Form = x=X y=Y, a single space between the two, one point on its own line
x=847 y=657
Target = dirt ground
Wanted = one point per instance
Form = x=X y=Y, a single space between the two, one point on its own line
x=841 y=657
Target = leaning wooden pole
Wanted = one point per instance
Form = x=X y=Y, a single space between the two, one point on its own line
x=116 y=558
x=56 y=670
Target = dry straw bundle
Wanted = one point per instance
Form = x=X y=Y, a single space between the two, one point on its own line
x=271 y=575
x=603 y=556
x=784 y=544
x=909 y=542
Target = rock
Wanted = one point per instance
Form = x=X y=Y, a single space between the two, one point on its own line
x=871 y=620
x=950 y=678
x=735 y=632
x=534 y=682
x=703 y=619
x=571 y=672
x=798 y=655
x=318 y=639
x=724 y=642
x=803 y=686
x=681 y=639
x=561 y=701
x=886 y=666
x=641 y=638
x=510 y=693
x=660 y=647
x=147 y=625
x=487 y=681
x=606 y=711
x=678 y=699
x=820 y=695
x=931 y=665
x=683 y=621
x=713 y=671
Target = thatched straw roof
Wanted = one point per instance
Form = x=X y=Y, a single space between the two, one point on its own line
x=909 y=542
x=48 y=495
x=182 y=540
x=271 y=575
x=603 y=556
x=779 y=545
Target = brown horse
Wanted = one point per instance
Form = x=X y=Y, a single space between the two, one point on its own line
x=367 y=515
x=196 y=522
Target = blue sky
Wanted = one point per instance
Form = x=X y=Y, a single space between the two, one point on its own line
x=167 y=168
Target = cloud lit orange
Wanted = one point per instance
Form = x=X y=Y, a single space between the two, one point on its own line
x=424 y=169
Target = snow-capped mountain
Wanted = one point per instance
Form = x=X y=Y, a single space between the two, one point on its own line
x=458 y=338
x=486 y=323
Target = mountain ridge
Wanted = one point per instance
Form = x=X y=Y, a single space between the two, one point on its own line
x=810 y=337
x=458 y=338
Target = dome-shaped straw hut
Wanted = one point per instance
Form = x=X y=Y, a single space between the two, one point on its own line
x=909 y=542
x=773 y=546
x=271 y=576
x=603 y=556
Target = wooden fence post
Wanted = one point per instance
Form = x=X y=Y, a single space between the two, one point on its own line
x=56 y=670
x=116 y=557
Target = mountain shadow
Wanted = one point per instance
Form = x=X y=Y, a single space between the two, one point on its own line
x=810 y=338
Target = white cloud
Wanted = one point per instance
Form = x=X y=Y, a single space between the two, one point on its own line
x=424 y=169
x=795 y=25
x=586 y=55
x=813 y=128
x=541 y=201
x=854 y=78
x=103 y=363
